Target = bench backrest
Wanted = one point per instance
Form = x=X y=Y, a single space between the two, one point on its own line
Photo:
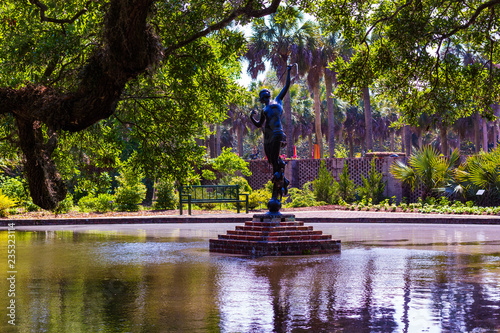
x=212 y=192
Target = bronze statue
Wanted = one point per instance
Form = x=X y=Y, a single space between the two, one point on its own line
x=274 y=139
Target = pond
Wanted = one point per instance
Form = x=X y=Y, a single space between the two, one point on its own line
x=161 y=278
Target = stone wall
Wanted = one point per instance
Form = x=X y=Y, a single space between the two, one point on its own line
x=301 y=171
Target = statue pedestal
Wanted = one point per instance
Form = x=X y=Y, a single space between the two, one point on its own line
x=271 y=235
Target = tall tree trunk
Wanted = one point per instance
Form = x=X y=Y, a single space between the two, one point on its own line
x=459 y=142
x=407 y=136
x=310 y=140
x=351 y=145
x=477 y=135
x=288 y=125
x=341 y=134
x=496 y=132
x=217 y=141
x=239 y=133
x=420 y=141
x=211 y=142
x=317 y=118
x=392 y=141
x=329 y=105
x=368 y=119
x=443 y=131
x=485 y=135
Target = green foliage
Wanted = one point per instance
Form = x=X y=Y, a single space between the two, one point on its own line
x=373 y=186
x=259 y=199
x=481 y=172
x=325 y=188
x=66 y=205
x=208 y=174
x=244 y=187
x=130 y=192
x=341 y=151
x=393 y=50
x=87 y=204
x=269 y=186
x=92 y=184
x=104 y=202
x=428 y=168
x=17 y=189
x=5 y=204
x=346 y=185
x=166 y=196
x=227 y=164
x=302 y=197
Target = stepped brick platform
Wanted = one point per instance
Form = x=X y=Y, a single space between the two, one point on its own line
x=274 y=236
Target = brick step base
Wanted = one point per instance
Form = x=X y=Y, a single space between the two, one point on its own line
x=274 y=232
x=274 y=236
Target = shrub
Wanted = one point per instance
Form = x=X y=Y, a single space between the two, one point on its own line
x=242 y=182
x=5 y=204
x=130 y=192
x=17 y=189
x=104 y=203
x=325 y=188
x=302 y=198
x=346 y=185
x=166 y=196
x=373 y=186
x=87 y=204
x=259 y=198
x=66 y=205
x=228 y=163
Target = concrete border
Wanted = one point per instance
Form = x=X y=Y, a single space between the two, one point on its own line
x=322 y=216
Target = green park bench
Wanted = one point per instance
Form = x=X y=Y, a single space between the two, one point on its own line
x=197 y=194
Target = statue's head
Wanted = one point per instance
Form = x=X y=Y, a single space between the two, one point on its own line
x=264 y=95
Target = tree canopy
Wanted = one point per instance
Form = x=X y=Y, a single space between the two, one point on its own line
x=438 y=57
x=67 y=65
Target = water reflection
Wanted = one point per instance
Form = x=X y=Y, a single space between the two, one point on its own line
x=113 y=282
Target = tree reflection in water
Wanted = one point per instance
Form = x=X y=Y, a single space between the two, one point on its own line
x=77 y=282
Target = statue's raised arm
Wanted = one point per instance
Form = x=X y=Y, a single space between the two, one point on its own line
x=283 y=91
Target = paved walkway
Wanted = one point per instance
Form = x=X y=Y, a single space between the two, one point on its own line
x=320 y=216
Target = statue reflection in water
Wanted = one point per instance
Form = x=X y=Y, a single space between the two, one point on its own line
x=274 y=140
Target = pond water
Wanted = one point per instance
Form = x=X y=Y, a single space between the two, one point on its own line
x=161 y=278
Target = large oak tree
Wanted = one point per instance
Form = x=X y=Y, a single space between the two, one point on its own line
x=65 y=65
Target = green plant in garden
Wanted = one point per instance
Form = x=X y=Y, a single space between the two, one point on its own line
x=259 y=198
x=325 y=188
x=227 y=164
x=17 y=189
x=131 y=191
x=87 y=204
x=302 y=197
x=104 y=202
x=428 y=168
x=346 y=185
x=66 y=205
x=244 y=187
x=5 y=204
x=373 y=186
x=166 y=196
x=481 y=172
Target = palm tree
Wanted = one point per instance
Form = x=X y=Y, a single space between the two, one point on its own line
x=275 y=40
x=428 y=168
x=333 y=47
x=368 y=119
